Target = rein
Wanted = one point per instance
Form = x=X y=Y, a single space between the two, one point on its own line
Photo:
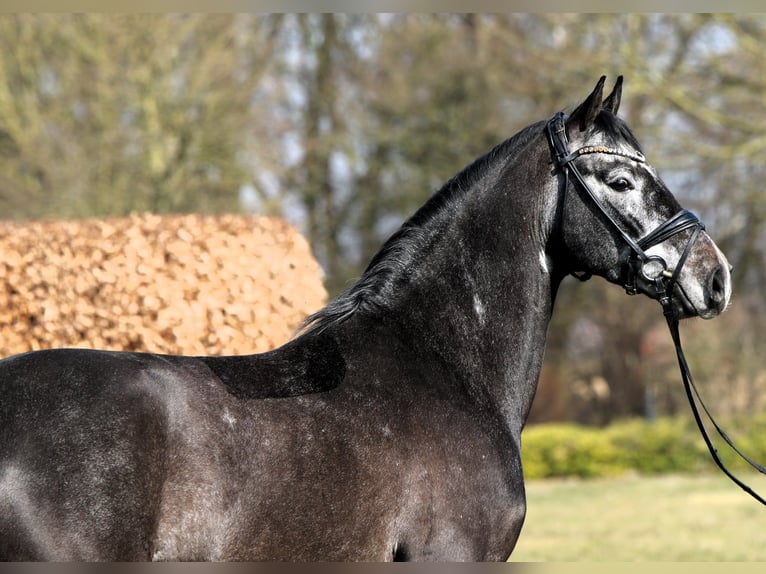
x=652 y=268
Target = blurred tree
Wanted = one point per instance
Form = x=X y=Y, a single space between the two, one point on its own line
x=107 y=114
x=386 y=120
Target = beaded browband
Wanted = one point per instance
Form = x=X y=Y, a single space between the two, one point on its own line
x=634 y=155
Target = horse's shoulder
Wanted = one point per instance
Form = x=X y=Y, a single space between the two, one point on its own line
x=307 y=364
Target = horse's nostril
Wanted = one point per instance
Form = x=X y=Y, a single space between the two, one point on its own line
x=717 y=288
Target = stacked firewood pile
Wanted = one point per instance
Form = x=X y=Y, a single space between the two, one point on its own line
x=186 y=284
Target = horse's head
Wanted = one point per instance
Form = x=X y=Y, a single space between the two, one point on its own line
x=619 y=219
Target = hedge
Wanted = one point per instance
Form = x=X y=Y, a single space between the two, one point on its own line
x=667 y=445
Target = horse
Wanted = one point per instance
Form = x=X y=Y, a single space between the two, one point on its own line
x=389 y=428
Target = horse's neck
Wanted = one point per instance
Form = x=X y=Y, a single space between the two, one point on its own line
x=489 y=336
x=481 y=301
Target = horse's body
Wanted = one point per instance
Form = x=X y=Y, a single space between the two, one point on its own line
x=389 y=428
x=131 y=456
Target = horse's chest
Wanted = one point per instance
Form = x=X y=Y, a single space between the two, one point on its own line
x=465 y=509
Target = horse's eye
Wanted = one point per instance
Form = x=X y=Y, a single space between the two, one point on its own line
x=621 y=184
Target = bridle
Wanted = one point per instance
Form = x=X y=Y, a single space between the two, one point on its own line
x=652 y=268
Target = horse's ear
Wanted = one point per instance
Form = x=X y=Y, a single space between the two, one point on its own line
x=585 y=114
x=612 y=102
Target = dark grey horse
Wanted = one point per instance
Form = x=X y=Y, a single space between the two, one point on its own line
x=390 y=427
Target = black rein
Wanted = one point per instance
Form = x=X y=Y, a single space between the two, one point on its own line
x=654 y=269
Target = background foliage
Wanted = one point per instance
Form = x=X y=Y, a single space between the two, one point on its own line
x=667 y=445
x=344 y=124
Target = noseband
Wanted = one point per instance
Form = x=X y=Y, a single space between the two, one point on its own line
x=653 y=269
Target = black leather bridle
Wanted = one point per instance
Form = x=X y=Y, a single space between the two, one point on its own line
x=652 y=268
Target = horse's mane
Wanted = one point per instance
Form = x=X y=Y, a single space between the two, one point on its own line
x=377 y=284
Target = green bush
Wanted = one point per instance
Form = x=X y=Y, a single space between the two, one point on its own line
x=568 y=450
x=668 y=445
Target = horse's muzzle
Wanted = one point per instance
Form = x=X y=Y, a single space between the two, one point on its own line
x=705 y=293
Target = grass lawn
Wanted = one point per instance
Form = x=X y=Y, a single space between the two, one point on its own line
x=665 y=518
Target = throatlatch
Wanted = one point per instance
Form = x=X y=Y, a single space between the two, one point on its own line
x=654 y=270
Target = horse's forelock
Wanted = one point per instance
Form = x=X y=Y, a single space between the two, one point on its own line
x=615 y=130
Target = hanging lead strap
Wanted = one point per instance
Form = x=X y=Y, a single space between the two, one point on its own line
x=693 y=395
